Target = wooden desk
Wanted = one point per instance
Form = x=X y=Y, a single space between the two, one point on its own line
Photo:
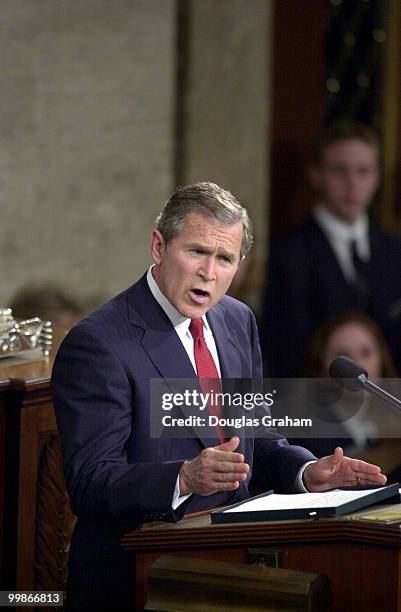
x=362 y=559
x=37 y=521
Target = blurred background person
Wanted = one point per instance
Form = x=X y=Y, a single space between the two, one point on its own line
x=354 y=335
x=338 y=259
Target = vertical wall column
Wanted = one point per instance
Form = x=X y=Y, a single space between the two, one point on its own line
x=224 y=104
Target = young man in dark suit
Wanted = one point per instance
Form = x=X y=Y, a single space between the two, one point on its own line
x=116 y=474
x=338 y=260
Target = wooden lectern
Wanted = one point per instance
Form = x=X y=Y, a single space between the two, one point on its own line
x=361 y=558
x=35 y=519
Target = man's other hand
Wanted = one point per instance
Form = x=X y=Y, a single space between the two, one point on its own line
x=339 y=471
x=217 y=468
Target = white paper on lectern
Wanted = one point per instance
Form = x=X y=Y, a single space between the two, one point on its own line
x=329 y=499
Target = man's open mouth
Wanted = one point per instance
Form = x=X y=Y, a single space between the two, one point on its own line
x=198 y=295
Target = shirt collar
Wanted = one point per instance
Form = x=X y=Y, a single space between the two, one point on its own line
x=178 y=320
x=339 y=229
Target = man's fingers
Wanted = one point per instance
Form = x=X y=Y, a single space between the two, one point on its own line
x=230 y=445
x=242 y=468
x=226 y=486
x=365 y=479
x=213 y=454
x=215 y=469
x=229 y=466
x=338 y=454
x=364 y=468
x=332 y=460
x=224 y=457
x=228 y=477
x=378 y=479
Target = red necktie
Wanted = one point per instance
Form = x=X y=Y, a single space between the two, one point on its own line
x=207 y=372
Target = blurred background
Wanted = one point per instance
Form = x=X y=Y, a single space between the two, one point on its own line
x=107 y=106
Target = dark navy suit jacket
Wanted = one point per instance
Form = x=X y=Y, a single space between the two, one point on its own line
x=305 y=285
x=116 y=475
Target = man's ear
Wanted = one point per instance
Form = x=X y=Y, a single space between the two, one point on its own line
x=315 y=176
x=157 y=246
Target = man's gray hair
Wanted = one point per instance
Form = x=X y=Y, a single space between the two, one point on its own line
x=207 y=199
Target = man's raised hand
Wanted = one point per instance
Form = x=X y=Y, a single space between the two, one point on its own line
x=216 y=468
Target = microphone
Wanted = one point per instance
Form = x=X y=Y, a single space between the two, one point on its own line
x=354 y=377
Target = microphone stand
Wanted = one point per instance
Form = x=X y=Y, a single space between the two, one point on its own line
x=375 y=390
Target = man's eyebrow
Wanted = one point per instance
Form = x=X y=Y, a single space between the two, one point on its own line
x=202 y=247
x=226 y=253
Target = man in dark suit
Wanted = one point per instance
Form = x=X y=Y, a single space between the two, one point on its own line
x=338 y=260
x=117 y=474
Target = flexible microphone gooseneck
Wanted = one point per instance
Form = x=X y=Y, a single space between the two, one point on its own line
x=354 y=377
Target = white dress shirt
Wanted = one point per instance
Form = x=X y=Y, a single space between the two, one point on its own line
x=340 y=236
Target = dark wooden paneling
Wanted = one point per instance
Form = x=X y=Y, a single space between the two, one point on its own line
x=3 y=390
x=298 y=87
x=37 y=519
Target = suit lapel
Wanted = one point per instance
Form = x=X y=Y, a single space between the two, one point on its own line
x=166 y=351
x=226 y=343
x=159 y=339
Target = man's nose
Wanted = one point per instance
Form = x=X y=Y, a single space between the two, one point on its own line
x=352 y=179
x=207 y=269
